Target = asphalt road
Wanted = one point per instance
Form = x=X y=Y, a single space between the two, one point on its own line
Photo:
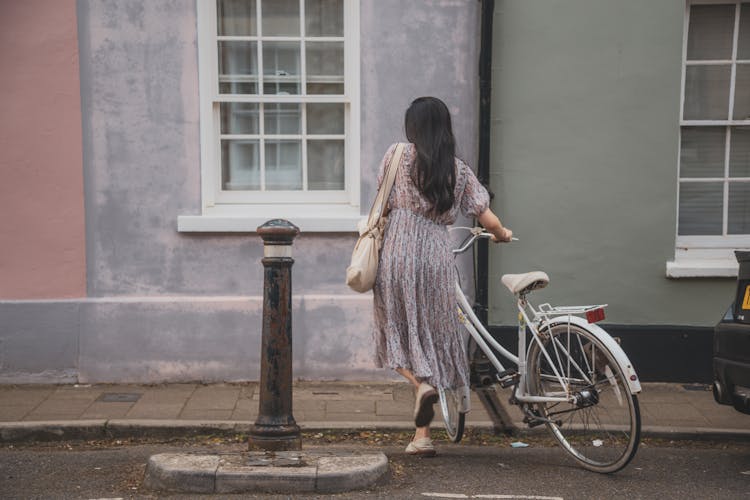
x=661 y=470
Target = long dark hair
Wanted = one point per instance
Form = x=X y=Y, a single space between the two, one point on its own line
x=428 y=127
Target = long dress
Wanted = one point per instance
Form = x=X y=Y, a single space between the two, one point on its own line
x=416 y=324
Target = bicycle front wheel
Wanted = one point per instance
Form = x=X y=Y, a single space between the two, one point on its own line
x=452 y=408
x=601 y=428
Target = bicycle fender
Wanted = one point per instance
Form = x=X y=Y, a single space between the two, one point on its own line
x=605 y=338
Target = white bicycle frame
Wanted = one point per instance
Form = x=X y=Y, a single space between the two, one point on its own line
x=537 y=320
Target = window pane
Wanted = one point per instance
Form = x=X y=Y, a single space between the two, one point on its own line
x=739 y=208
x=236 y=17
x=325 y=118
x=325 y=88
x=710 y=32
x=739 y=152
x=325 y=165
x=702 y=151
x=239 y=118
x=706 y=92
x=743 y=47
x=280 y=17
x=238 y=68
x=283 y=118
x=283 y=165
x=240 y=161
x=325 y=68
x=700 y=208
x=742 y=93
x=324 y=17
x=281 y=68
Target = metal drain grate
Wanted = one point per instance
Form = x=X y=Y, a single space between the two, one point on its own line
x=119 y=397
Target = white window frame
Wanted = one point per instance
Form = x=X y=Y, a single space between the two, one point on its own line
x=227 y=211
x=708 y=256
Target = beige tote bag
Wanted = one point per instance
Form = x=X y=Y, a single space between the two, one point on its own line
x=361 y=273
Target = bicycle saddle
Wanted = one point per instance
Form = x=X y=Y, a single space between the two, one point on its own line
x=526 y=282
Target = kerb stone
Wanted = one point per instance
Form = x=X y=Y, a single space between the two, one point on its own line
x=346 y=473
x=181 y=472
x=235 y=478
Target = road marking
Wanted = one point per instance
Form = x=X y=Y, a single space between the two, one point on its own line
x=507 y=497
x=524 y=497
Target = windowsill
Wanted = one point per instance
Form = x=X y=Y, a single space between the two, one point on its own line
x=706 y=257
x=246 y=219
x=702 y=268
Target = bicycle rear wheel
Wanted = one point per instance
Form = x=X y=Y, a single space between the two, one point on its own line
x=451 y=406
x=601 y=428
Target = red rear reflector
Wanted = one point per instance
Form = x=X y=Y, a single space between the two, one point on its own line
x=595 y=315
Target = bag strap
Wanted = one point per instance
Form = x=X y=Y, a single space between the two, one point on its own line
x=378 y=206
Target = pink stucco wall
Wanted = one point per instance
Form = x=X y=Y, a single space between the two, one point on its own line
x=42 y=226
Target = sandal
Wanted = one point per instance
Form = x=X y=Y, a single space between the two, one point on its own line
x=423 y=410
x=422 y=447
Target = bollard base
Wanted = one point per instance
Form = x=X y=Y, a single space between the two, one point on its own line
x=275 y=438
x=247 y=473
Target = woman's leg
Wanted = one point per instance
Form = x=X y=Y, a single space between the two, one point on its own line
x=408 y=375
x=421 y=432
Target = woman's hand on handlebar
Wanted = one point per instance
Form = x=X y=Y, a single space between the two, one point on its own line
x=493 y=225
x=503 y=234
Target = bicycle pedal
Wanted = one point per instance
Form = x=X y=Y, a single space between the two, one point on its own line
x=509 y=381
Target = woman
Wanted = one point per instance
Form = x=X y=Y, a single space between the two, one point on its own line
x=416 y=326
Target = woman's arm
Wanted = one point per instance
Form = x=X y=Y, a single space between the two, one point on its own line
x=493 y=225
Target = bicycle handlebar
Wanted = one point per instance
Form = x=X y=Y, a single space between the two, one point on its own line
x=470 y=241
x=476 y=234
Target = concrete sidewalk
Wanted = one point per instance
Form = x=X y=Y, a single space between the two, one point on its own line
x=96 y=411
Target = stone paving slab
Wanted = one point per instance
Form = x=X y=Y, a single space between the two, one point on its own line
x=366 y=407
x=155 y=410
x=214 y=398
x=206 y=414
x=394 y=408
x=106 y=410
x=14 y=413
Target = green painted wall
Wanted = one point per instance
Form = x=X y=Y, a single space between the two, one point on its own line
x=586 y=97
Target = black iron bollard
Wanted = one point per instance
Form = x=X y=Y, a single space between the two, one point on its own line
x=275 y=428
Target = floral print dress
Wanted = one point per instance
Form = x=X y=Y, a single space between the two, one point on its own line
x=416 y=325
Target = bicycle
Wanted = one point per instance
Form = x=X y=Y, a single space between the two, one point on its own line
x=569 y=375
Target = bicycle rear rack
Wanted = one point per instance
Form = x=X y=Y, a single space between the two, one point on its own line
x=548 y=310
x=593 y=313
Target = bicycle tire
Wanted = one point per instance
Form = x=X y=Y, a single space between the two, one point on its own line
x=453 y=417
x=601 y=429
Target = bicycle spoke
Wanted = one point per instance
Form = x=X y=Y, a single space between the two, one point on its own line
x=570 y=359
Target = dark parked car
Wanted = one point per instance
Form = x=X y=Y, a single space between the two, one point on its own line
x=732 y=345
